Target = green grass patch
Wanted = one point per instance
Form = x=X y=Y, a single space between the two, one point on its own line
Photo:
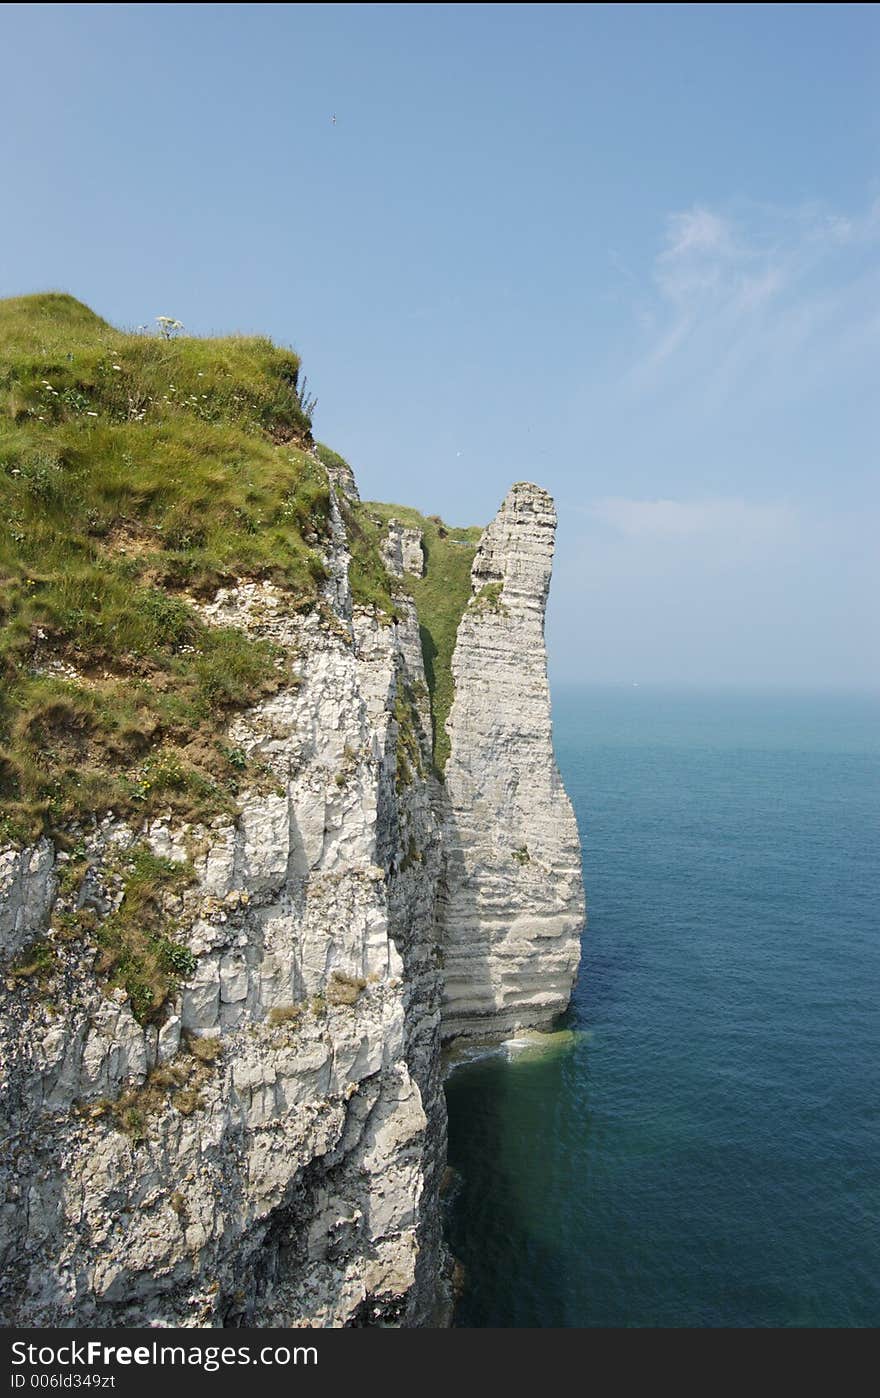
x=409 y=749
x=37 y=962
x=371 y=583
x=136 y=473
x=60 y=361
x=138 y=948
x=488 y=599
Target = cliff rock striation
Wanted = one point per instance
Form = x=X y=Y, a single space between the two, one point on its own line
x=513 y=906
x=268 y=1152
x=240 y=910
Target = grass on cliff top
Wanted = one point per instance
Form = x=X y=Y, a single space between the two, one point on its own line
x=440 y=597
x=136 y=472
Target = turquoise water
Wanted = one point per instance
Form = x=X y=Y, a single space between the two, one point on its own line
x=704 y=1147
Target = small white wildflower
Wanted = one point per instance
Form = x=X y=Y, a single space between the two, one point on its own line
x=91 y=414
x=117 y=367
x=168 y=326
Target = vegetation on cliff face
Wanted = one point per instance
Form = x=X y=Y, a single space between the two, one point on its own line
x=440 y=597
x=371 y=583
x=137 y=946
x=138 y=473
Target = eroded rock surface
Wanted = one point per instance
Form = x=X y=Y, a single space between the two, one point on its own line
x=514 y=901
x=269 y=1153
x=296 y=1183
x=403 y=550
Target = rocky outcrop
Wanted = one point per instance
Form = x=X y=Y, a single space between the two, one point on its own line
x=402 y=550
x=514 y=904
x=341 y=476
x=269 y=1152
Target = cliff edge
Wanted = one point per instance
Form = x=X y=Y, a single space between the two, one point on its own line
x=278 y=813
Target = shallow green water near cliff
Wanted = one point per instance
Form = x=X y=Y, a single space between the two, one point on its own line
x=704 y=1146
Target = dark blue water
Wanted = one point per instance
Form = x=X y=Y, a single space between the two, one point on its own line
x=705 y=1150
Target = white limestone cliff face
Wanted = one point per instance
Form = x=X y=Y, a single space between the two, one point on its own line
x=514 y=902
x=403 y=550
x=270 y=1152
x=300 y=1186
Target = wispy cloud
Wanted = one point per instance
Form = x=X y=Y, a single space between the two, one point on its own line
x=726 y=511
x=696 y=230
x=756 y=295
x=699 y=254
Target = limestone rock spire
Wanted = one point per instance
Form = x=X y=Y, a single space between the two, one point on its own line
x=514 y=902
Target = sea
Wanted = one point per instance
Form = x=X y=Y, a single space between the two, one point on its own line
x=698 y=1143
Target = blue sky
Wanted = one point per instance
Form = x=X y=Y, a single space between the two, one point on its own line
x=629 y=252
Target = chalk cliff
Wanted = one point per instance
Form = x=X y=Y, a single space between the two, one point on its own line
x=513 y=906
x=290 y=1176
x=264 y=1145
